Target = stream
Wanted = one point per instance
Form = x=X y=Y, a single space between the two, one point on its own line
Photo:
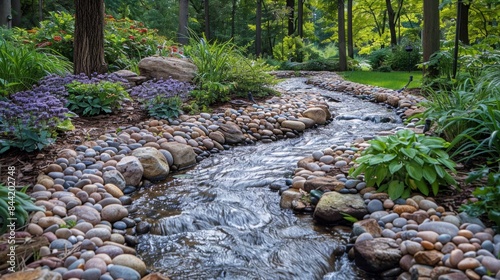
x=220 y=220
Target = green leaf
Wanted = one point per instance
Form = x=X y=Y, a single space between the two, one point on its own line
x=440 y=171
x=422 y=187
x=378 y=145
x=430 y=174
x=396 y=189
x=376 y=159
x=435 y=187
x=409 y=152
x=380 y=173
x=395 y=167
x=414 y=170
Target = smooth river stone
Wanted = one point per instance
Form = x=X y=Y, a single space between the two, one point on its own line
x=439 y=227
x=120 y=271
x=132 y=262
x=468 y=263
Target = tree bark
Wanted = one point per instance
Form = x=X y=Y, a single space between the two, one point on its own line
x=258 y=29
x=341 y=31
x=89 y=37
x=182 y=33
x=463 y=33
x=392 y=23
x=206 y=8
x=290 y=6
x=300 y=20
x=350 y=44
x=430 y=34
x=5 y=14
x=233 y=19
x=16 y=13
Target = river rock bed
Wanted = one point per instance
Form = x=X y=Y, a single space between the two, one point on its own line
x=85 y=191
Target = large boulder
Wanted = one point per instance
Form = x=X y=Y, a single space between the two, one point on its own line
x=316 y=114
x=131 y=169
x=377 y=255
x=232 y=133
x=332 y=205
x=154 y=163
x=114 y=177
x=184 y=155
x=158 y=67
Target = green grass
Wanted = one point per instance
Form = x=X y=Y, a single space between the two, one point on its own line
x=391 y=80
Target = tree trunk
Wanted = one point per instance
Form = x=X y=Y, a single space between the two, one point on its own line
x=233 y=19
x=463 y=33
x=300 y=20
x=290 y=6
x=16 y=13
x=5 y=14
x=341 y=31
x=258 y=29
x=89 y=37
x=350 y=44
x=430 y=34
x=392 y=23
x=206 y=7
x=182 y=33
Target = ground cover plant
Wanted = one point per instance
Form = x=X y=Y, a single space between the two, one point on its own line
x=162 y=99
x=404 y=162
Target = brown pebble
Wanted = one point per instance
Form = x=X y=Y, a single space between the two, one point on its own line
x=466 y=233
x=468 y=263
x=472 y=275
x=466 y=247
x=438 y=246
x=460 y=240
x=427 y=245
x=412 y=202
x=456 y=256
x=440 y=209
x=399 y=209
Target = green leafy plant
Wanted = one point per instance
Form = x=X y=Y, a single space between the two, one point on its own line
x=95 y=98
x=488 y=197
x=404 y=162
x=164 y=107
x=16 y=205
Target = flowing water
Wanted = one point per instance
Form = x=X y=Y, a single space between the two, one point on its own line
x=220 y=220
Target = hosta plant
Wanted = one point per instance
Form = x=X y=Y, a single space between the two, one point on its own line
x=94 y=98
x=404 y=162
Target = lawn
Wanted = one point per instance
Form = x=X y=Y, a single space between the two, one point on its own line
x=392 y=80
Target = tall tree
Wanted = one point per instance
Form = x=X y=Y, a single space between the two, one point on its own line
x=16 y=13
x=88 y=43
x=430 y=34
x=463 y=23
x=392 y=22
x=350 y=43
x=258 y=29
x=233 y=18
x=341 y=33
x=5 y=13
x=300 y=18
x=182 y=33
x=290 y=6
x=206 y=8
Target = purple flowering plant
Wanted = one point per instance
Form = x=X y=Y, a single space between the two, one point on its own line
x=162 y=98
x=29 y=120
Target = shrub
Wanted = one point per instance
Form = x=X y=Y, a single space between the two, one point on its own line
x=404 y=162
x=223 y=70
x=16 y=205
x=488 y=197
x=21 y=66
x=91 y=99
x=379 y=57
x=163 y=98
x=402 y=60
